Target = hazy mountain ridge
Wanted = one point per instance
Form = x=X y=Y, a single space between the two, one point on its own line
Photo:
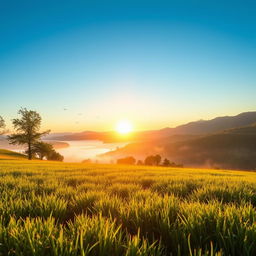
x=216 y=124
x=222 y=150
x=193 y=128
x=230 y=148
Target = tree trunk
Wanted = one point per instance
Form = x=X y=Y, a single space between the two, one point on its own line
x=29 y=151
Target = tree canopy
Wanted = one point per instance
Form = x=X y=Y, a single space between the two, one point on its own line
x=126 y=160
x=153 y=160
x=41 y=149
x=27 y=129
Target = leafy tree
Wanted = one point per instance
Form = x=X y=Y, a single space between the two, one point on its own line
x=149 y=160
x=157 y=159
x=2 y=126
x=153 y=160
x=126 y=160
x=55 y=156
x=166 y=162
x=27 y=128
x=42 y=150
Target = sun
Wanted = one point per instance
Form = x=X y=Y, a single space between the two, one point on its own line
x=124 y=126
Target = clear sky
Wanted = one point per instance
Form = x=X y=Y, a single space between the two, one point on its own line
x=85 y=64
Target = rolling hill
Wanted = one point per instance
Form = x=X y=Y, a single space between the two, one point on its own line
x=234 y=148
x=11 y=155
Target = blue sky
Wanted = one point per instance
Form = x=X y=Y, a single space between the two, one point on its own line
x=157 y=63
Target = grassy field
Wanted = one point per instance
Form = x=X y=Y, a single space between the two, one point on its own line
x=49 y=208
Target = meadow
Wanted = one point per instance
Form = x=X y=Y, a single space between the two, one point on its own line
x=50 y=208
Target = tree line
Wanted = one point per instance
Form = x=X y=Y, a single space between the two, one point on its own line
x=152 y=160
x=27 y=128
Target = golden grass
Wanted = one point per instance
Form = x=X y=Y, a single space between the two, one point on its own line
x=53 y=208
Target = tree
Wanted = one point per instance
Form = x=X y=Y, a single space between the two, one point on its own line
x=153 y=160
x=42 y=150
x=149 y=160
x=126 y=160
x=55 y=156
x=157 y=159
x=166 y=162
x=2 y=126
x=27 y=128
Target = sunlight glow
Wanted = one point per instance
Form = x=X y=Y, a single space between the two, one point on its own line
x=124 y=126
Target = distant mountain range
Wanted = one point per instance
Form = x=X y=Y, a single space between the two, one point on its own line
x=201 y=127
x=216 y=124
x=223 y=142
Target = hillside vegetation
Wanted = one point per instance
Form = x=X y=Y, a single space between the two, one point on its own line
x=50 y=208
